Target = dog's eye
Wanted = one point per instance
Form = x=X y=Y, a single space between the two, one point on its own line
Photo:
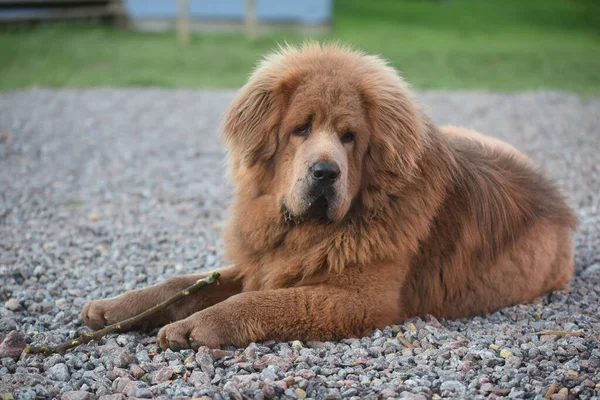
x=348 y=137
x=303 y=130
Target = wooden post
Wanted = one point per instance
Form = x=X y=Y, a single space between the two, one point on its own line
x=251 y=30
x=183 y=21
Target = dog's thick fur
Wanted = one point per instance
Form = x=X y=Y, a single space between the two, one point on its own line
x=420 y=220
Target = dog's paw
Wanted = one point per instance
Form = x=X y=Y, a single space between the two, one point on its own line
x=188 y=333
x=99 y=313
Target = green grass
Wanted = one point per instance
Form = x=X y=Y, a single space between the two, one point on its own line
x=458 y=44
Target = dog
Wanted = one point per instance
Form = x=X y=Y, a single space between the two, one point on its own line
x=353 y=211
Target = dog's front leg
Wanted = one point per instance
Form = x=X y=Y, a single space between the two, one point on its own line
x=318 y=312
x=98 y=313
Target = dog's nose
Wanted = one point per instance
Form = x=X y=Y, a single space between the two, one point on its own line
x=325 y=170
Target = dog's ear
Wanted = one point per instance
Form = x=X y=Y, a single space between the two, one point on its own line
x=250 y=124
x=398 y=124
x=398 y=128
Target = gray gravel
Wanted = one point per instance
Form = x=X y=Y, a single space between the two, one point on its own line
x=104 y=190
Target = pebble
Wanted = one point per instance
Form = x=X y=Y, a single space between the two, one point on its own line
x=12 y=346
x=59 y=372
x=269 y=373
x=12 y=305
x=75 y=395
x=205 y=361
x=116 y=396
x=162 y=375
x=452 y=386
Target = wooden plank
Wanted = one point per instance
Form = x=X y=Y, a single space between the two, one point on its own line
x=250 y=19
x=49 y=3
x=183 y=21
x=60 y=13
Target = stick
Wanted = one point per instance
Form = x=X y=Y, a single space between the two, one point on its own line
x=404 y=341
x=123 y=325
x=551 y=390
x=559 y=333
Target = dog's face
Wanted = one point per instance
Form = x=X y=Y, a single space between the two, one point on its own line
x=322 y=141
x=319 y=127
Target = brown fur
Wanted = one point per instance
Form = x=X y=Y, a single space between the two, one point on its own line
x=422 y=221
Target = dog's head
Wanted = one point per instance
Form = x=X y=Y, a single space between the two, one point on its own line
x=319 y=127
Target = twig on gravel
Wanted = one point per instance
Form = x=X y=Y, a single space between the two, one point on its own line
x=551 y=390
x=123 y=325
x=577 y=333
x=404 y=341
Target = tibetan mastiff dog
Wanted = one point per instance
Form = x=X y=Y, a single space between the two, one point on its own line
x=353 y=210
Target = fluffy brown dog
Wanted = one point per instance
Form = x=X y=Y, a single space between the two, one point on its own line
x=353 y=211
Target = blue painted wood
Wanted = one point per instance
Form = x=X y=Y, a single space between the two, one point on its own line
x=302 y=11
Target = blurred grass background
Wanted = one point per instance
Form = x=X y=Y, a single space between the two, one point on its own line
x=453 y=44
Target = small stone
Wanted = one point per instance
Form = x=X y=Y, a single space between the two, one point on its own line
x=289 y=381
x=120 y=356
x=199 y=378
x=350 y=392
x=564 y=392
x=75 y=395
x=513 y=362
x=269 y=391
x=269 y=373
x=6 y=325
x=12 y=305
x=452 y=386
x=116 y=396
x=121 y=384
x=233 y=392
x=494 y=347
x=301 y=394
x=591 y=270
x=250 y=351
x=557 y=396
x=162 y=375
x=505 y=353
x=218 y=353
x=588 y=383
x=283 y=364
x=60 y=302
x=487 y=387
x=136 y=371
x=12 y=346
x=170 y=355
x=387 y=393
x=59 y=372
x=548 y=338
x=297 y=344
x=313 y=344
x=205 y=361
x=305 y=373
x=412 y=396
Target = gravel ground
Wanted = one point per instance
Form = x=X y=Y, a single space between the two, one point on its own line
x=104 y=190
